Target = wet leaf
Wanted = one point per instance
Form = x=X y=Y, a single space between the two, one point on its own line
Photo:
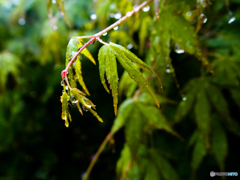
x=164 y=167
x=85 y=52
x=134 y=130
x=124 y=159
x=127 y=85
x=198 y=153
x=156 y=119
x=185 y=105
x=143 y=34
x=152 y=172
x=102 y=61
x=65 y=112
x=112 y=75
x=202 y=114
x=133 y=71
x=219 y=143
x=79 y=96
x=78 y=71
x=218 y=101
x=107 y=56
x=124 y=113
x=73 y=47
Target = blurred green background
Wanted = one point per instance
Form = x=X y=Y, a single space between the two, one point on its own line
x=35 y=144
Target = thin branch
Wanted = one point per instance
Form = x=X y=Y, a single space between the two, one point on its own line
x=94 y=37
x=101 y=41
x=94 y=160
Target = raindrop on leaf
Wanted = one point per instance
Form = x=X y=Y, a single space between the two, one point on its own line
x=93 y=16
x=21 y=21
x=75 y=101
x=130 y=46
x=118 y=16
x=231 y=20
x=146 y=9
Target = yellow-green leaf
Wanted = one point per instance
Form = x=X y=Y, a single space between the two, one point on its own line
x=134 y=72
x=79 y=96
x=125 y=110
x=102 y=69
x=65 y=113
x=78 y=71
x=85 y=52
x=112 y=75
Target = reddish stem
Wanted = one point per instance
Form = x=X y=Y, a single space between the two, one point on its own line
x=94 y=37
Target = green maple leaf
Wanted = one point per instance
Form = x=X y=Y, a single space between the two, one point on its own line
x=9 y=63
x=65 y=112
x=107 y=64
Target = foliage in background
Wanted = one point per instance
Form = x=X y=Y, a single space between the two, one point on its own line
x=191 y=45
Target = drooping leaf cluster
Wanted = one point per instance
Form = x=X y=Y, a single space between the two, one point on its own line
x=193 y=46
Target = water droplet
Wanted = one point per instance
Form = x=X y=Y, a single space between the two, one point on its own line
x=21 y=21
x=105 y=34
x=112 y=6
x=75 y=101
x=93 y=16
x=129 y=14
x=74 y=63
x=84 y=108
x=184 y=98
x=54 y=1
x=146 y=9
x=136 y=8
x=168 y=70
x=130 y=46
x=55 y=27
x=118 y=16
x=231 y=20
x=61 y=83
x=205 y=20
x=179 y=51
x=115 y=28
x=66 y=87
x=189 y=13
x=112 y=15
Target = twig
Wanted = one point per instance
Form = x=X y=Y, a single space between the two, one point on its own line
x=94 y=160
x=94 y=37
